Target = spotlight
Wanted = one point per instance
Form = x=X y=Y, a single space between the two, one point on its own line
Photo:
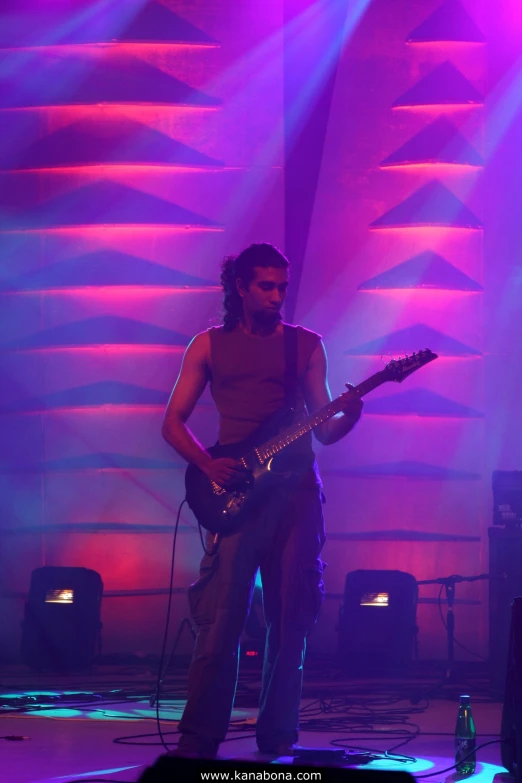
x=62 y=619
x=378 y=627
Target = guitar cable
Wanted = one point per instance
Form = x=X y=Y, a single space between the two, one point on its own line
x=155 y=698
x=157 y=694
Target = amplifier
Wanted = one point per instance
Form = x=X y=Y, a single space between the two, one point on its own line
x=511 y=727
x=507 y=497
x=505 y=584
x=62 y=619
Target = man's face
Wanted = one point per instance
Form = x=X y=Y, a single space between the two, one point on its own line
x=265 y=295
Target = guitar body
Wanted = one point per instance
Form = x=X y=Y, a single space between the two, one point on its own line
x=222 y=511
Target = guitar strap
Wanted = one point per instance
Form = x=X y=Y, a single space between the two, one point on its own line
x=291 y=376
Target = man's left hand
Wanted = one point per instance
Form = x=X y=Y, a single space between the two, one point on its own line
x=351 y=403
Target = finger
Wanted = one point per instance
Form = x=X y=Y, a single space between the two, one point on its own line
x=235 y=471
x=232 y=463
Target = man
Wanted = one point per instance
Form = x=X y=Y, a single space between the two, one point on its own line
x=244 y=362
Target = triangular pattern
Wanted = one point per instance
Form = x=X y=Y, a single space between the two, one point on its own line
x=449 y=22
x=93 y=394
x=397 y=535
x=432 y=205
x=99 y=527
x=420 y=402
x=90 y=142
x=406 y=469
x=440 y=142
x=154 y=22
x=80 y=80
x=94 y=461
x=104 y=203
x=106 y=460
x=425 y=270
x=103 y=330
x=411 y=339
x=443 y=86
x=103 y=268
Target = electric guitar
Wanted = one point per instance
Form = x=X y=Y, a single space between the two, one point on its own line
x=222 y=510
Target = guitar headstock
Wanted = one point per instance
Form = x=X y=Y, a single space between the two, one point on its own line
x=399 y=369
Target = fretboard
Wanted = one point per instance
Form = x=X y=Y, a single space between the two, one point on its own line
x=296 y=431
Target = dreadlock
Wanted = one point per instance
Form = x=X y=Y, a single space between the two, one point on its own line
x=241 y=267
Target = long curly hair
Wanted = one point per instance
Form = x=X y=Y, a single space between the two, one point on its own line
x=241 y=267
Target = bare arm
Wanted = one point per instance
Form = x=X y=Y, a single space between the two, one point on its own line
x=188 y=388
x=192 y=379
x=317 y=395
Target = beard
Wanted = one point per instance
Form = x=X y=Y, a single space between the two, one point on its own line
x=267 y=319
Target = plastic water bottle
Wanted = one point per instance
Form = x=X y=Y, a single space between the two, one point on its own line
x=465 y=739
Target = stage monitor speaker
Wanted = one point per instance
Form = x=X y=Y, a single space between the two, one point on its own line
x=378 y=625
x=168 y=769
x=511 y=731
x=62 y=619
x=505 y=584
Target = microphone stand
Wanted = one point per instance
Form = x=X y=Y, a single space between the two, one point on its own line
x=449 y=583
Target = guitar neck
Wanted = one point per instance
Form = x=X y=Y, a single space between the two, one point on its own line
x=296 y=431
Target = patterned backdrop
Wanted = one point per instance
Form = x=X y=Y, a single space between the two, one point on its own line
x=374 y=142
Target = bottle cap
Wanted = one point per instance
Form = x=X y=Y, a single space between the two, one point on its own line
x=464 y=700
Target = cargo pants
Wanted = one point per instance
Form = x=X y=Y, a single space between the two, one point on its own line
x=284 y=538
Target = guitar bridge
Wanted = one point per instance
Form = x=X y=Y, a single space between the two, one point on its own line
x=216 y=489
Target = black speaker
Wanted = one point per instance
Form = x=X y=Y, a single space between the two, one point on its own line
x=168 y=769
x=511 y=731
x=507 y=497
x=378 y=625
x=62 y=619
x=505 y=584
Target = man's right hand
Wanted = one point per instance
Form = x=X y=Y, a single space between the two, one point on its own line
x=224 y=471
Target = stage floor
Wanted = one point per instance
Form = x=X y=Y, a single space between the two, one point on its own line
x=73 y=722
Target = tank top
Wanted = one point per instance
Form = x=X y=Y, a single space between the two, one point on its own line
x=247 y=385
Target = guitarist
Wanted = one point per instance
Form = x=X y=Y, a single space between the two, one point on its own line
x=245 y=362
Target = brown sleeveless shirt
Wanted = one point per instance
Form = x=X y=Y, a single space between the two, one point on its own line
x=247 y=385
